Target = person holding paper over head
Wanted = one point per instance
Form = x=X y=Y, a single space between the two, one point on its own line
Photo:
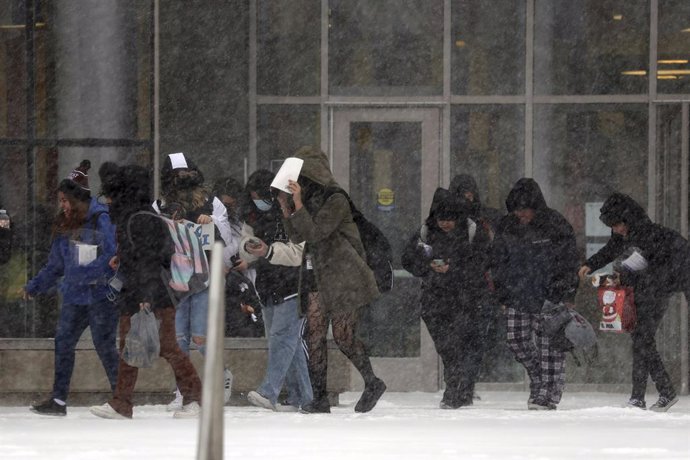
x=83 y=244
x=335 y=280
x=183 y=193
x=655 y=261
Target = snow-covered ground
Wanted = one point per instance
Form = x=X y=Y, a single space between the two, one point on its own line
x=402 y=426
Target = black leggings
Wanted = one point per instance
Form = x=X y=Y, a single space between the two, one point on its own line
x=646 y=359
x=344 y=326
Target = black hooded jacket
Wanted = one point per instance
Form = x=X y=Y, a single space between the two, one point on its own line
x=478 y=212
x=534 y=262
x=666 y=251
x=465 y=284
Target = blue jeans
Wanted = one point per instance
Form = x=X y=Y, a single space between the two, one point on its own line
x=102 y=317
x=287 y=359
x=191 y=320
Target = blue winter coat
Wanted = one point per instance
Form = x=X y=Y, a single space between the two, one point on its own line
x=86 y=284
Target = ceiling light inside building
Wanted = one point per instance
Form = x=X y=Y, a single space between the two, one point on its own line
x=634 y=72
x=674 y=72
x=460 y=43
x=667 y=77
x=617 y=17
x=672 y=61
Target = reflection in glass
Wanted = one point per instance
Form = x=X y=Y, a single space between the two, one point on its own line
x=591 y=46
x=582 y=153
x=14 y=321
x=282 y=129
x=488 y=47
x=674 y=47
x=385 y=184
x=487 y=142
x=288 y=48
x=386 y=47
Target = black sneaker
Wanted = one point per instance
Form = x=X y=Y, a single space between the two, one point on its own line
x=540 y=403
x=317 y=406
x=664 y=403
x=49 y=407
x=635 y=403
x=370 y=396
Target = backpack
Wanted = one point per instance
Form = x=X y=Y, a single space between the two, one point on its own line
x=188 y=272
x=376 y=246
x=569 y=331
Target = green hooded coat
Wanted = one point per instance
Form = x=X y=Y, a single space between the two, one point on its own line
x=343 y=278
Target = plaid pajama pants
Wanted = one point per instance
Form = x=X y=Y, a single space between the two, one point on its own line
x=545 y=366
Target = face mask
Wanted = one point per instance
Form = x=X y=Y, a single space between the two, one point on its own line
x=263 y=205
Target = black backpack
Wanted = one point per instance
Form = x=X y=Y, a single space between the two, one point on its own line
x=378 y=249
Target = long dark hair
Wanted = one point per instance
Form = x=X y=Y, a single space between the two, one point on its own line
x=79 y=200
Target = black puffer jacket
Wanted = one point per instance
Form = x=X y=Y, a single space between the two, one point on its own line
x=666 y=251
x=534 y=262
x=465 y=284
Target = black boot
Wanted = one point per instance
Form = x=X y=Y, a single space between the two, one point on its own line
x=370 y=396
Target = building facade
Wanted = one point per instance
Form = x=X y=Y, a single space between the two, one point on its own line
x=586 y=96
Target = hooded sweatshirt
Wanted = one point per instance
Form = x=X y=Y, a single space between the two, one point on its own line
x=666 y=251
x=534 y=262
x=343 y=278
x=81 y=284
x=465 y=284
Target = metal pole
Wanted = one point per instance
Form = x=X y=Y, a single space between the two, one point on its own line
x=210 y=446
x=156 y=99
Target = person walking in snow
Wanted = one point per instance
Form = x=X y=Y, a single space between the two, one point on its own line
x=534 y=261
x=665 y=269
x=335 y=280
x=83 y=244
x=182 y=185
x=450 y=253
x=144 y=248
x=277 y=276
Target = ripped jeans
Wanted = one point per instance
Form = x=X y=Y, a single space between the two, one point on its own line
x=191 y=322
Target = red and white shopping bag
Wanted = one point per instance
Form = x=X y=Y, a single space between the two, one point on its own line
x=617 y=305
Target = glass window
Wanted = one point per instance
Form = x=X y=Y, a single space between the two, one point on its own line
x=282 y=129
x=591 y=46
x=385 y=157
x=386 y=47
x=487 y=142
x=582 y=153
x=12 y=70
x=32 y=218
x=674 y=47
x=289 y=48
x=93 y=70
x=488 y=47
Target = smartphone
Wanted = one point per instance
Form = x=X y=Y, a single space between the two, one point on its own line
x=438 y=262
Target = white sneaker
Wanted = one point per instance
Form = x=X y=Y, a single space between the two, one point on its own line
x=191 y=410
x=259 y=400
x=106 y=411
x=227 y=386
x=175 y=404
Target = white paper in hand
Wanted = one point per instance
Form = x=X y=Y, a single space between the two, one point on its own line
x=635 y=262
x=288 y=171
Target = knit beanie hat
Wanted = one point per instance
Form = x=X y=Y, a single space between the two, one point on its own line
x=76 y=183
x=80 y=175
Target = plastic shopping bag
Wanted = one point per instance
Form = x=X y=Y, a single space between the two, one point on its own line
x=142 y=344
